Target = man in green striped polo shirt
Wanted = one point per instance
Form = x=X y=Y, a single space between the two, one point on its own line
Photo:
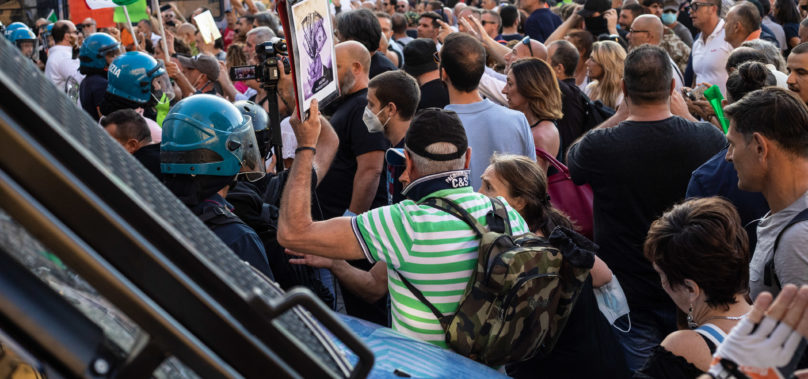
x=434 y=250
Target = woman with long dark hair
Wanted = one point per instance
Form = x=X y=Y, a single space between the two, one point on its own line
x=785 y=13
x=586 y=348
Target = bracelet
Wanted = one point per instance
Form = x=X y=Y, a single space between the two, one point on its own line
x=299 y=149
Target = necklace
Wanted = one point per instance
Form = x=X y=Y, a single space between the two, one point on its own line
x=693 y=324
x=725 y=318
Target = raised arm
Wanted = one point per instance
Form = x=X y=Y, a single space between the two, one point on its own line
x=332 y=238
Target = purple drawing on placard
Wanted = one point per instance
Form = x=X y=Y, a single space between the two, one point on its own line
x=314 y=41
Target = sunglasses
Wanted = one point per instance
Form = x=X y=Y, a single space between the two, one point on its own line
x=484 y=23
x=526 y=41
x=635 y=31
x=697 y=5
x=669 y=11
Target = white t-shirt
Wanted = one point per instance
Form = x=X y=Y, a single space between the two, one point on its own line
x=61 y=66
x=710 y=57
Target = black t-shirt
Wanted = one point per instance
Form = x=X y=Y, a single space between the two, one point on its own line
x=379 y=64
x=572 y=125
x=637 y=171
x=149 y=157
x=586 y=348
x=433 y=94
x=336 y=188
x=91 y=93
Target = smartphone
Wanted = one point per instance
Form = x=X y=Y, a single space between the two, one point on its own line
x=697 y=93
x=239 y=73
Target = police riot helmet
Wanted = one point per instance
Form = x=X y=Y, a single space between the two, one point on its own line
x=260 y=121
x=12 y=27
x=21 y=35
x=207 y=135
x=138 y=77
x=95 y=48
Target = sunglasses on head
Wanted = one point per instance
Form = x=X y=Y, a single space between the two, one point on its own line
x=526 y=41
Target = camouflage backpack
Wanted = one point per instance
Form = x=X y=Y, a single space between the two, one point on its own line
x=521 y=292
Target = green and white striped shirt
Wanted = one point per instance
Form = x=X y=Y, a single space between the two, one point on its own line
x=434 y=250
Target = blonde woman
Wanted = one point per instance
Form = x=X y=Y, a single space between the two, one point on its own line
x=605 y=69
x=531 y=88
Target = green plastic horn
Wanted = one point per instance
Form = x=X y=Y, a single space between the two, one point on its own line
x=124 y=2
x=713 y=95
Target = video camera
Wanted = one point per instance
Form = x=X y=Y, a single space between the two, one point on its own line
x=266 y=71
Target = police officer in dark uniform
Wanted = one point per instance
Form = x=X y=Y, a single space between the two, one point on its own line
x=206 y=144
x=96 y=53
x=256 y=203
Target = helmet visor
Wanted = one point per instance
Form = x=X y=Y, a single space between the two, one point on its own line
x=161 y=85
x=244 y=142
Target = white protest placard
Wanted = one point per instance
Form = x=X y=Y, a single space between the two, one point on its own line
x=207 y=27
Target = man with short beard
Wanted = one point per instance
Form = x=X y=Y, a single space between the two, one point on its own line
x=352 y=185
x=61 y=65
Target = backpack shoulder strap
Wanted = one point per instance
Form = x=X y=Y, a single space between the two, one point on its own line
x=444 y=320
x=497 y=219
x=769 y=274
x=453 y=209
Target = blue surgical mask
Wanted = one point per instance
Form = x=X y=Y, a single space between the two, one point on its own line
x=668 y=18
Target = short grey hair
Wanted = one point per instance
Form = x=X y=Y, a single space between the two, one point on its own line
x=769 y=50
x=425 y=166
x=262 y=34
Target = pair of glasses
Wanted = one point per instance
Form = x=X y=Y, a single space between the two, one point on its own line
x=526 y=41
x=637 y=31
x=436 y=57
x=697 y=5
x=669 y=11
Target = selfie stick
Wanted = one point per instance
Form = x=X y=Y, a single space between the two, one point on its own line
x=129 y=23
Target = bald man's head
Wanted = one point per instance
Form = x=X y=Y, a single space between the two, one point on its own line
x=646 y=28
x=353 y=66
x=522 y=49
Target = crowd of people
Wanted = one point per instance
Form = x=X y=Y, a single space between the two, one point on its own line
x=686 y=119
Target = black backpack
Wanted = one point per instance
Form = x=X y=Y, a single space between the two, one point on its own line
x=595 y=112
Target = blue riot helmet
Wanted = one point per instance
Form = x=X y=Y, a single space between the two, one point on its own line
x=12 y=27
x=95 y=49
x=25 y=40
x=138 y=77
x=260 y=121
x=207 y=135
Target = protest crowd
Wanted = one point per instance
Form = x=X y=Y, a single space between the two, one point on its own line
x=659 y=146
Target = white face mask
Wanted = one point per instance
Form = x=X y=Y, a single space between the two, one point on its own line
x=372 y=121
x=612 y=302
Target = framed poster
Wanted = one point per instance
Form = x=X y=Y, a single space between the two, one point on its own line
x=312 y=47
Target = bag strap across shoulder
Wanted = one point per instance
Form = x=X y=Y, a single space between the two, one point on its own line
x=769 y=274
x=497 y=220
